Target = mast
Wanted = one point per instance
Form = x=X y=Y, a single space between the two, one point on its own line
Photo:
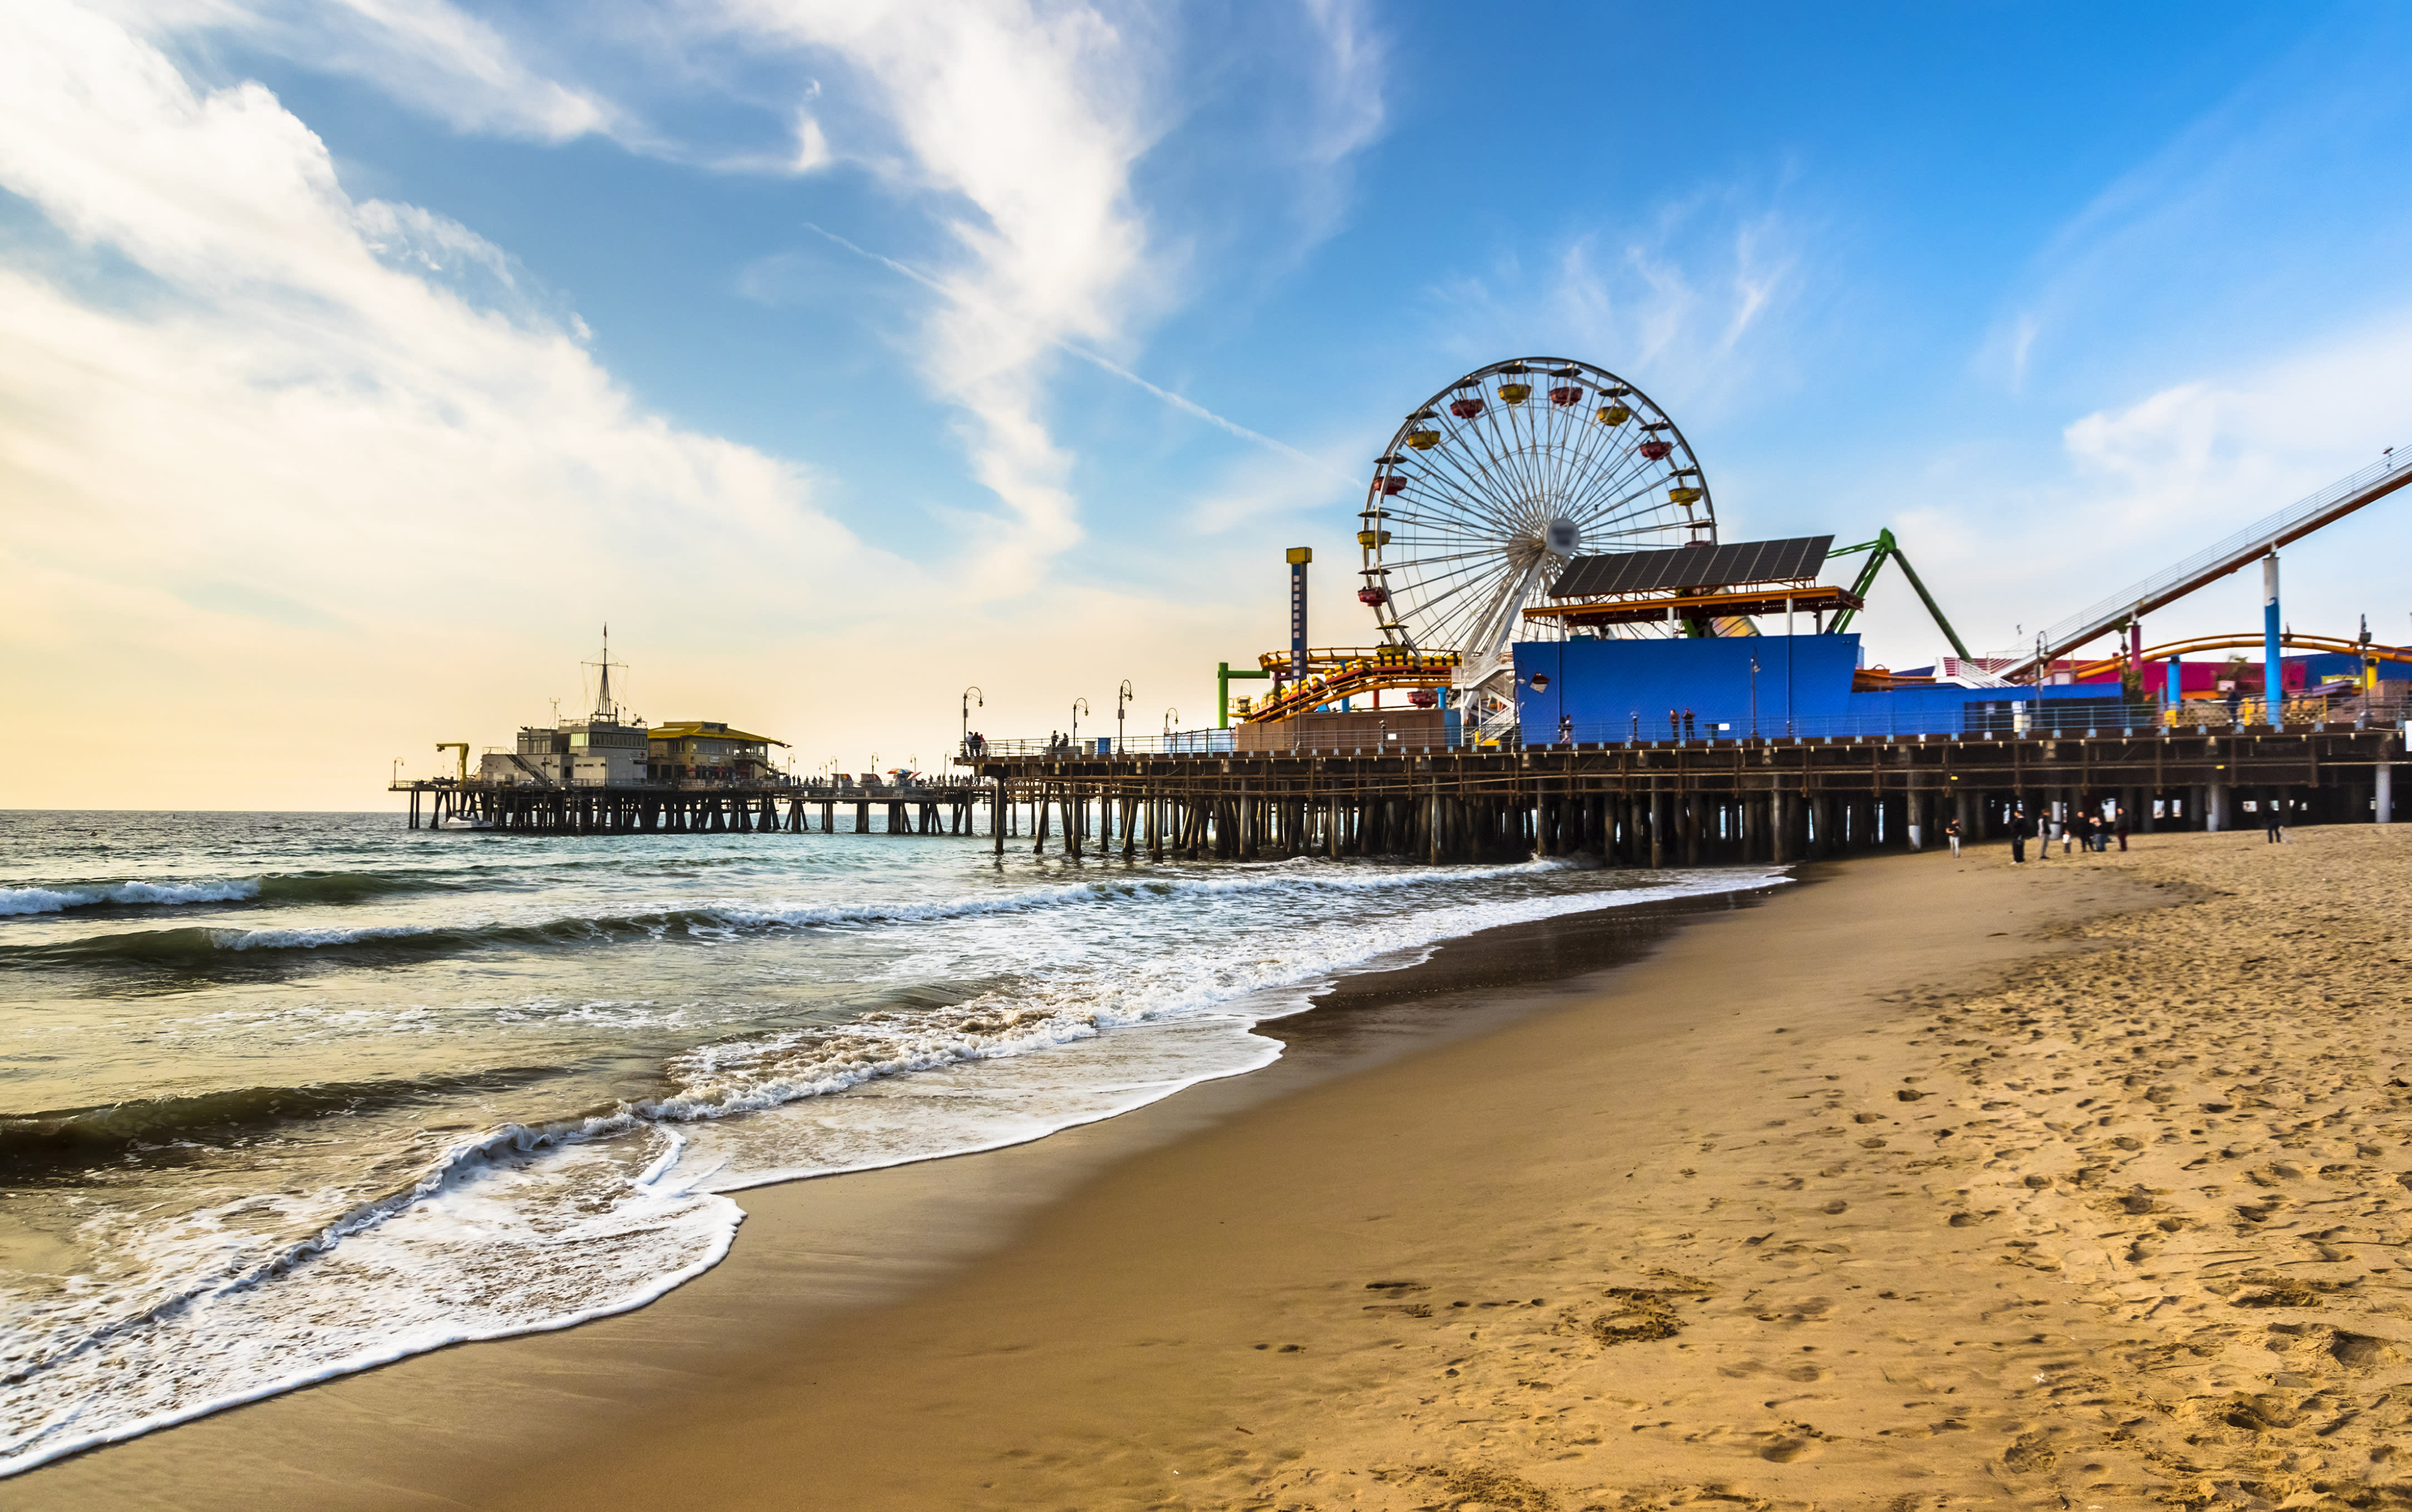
x=605 y=710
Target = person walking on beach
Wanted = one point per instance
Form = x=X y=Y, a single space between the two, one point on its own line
x=2067 y=831
x=1951 y=833
x=2019 y=830
x=2119 y=826
x=2094 y=832
x=2273 y=820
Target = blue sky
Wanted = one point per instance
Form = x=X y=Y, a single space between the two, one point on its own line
x=361 y=355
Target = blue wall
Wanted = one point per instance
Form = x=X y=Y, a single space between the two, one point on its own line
x=1616 y=689
x=1607 y=685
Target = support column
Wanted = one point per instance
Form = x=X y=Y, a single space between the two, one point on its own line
x=1657 y=827
x=2383 y=792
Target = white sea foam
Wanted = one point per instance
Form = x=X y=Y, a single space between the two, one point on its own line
x=754 y=1076
x=59 y=899
x=492 y=1248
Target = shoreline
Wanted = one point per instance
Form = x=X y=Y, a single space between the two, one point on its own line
x=1940 y=1183
x=836 y=1245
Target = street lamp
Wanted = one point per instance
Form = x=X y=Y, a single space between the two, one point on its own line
x=971 y=695
x=1122 y=700
x=1171 y=717
x=1079 y=707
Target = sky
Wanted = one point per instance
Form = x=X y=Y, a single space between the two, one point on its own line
x=361 y=359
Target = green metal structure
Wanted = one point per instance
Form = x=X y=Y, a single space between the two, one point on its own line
x=1224 y=678
x=1883 y=548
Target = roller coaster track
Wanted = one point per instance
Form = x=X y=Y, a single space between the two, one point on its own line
x=2199 y=644
x=2256 y=540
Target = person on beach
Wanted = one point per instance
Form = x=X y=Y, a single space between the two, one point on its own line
x=1951 y=833
x=2067 y=832
x=2019 y=830
x=2273 y=820
x=2094 y=832
x=2119 y=826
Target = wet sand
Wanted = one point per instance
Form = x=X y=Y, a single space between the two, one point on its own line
x=1936 y=1184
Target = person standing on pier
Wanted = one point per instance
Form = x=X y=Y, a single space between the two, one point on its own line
x=1688 y=724
x=1566 y=729
x=1674 y=725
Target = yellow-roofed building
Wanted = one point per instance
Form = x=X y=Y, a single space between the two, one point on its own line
x=701 y=751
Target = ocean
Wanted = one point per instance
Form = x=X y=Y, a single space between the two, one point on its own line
x=283 y=1096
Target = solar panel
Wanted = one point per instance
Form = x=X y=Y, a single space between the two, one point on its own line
x=1693 y=566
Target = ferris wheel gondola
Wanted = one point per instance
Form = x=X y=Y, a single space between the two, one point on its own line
x=1492 y=484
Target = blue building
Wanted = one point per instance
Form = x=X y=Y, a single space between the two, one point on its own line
x=1737 y=686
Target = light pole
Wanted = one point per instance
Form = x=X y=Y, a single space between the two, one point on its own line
x=971 y=695
x=1122 y=700
x=1079 y=707
x=1754 y=698
x=1171 y=717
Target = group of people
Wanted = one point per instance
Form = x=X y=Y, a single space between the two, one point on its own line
x=2090 y=830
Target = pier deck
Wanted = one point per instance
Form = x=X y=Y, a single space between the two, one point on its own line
x=1639 y=803
x=1662 y=802
x=646 y=808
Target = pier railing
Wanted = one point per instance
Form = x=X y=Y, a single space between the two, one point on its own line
x=2008 y=717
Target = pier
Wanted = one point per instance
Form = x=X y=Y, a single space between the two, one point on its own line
x=935 y=808
x=1675 y=802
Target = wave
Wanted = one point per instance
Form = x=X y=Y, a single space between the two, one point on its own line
x=198 y=946
x=635 y=1236
x=161 y=1120
x=749 y=1076
x=59 y=899
x=299 y=888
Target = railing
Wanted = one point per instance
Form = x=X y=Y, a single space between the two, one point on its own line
x=1180 y=743
x=2009 y=717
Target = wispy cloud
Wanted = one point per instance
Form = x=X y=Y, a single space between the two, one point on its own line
x=430 y=54
x=1180 y=402
x=1691 y=302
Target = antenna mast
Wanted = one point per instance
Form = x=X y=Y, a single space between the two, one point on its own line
x=604 y=708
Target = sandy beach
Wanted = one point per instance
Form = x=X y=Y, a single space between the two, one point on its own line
x=1928 y=1183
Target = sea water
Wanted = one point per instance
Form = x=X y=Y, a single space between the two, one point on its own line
x=288 y=1095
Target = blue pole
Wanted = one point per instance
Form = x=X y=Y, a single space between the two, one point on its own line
x=2274 y=676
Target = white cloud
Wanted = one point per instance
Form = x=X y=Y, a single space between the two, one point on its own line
x=298 y=468
x=2142 y=485
x=430 y=54
x=1691 y=304
x=1025 y=121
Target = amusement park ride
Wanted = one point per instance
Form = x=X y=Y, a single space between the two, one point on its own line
x=1547 y=499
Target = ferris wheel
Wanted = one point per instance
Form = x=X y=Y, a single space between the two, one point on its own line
x=1495 y=481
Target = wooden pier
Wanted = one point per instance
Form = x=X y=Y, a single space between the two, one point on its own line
x=1691 y=803
x=664 y=809
x=1633 y=803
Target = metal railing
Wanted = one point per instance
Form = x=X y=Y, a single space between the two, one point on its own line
x=2005 y=718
